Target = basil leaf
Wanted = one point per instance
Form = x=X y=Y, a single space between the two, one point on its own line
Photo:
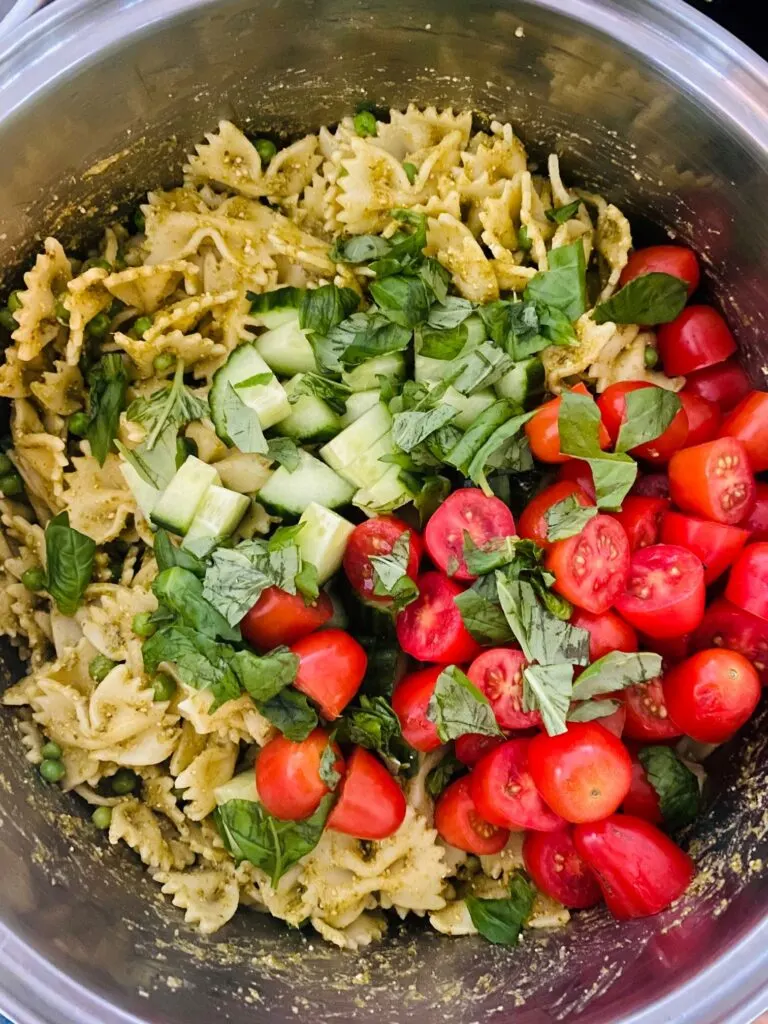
x=274 y=845
x=279 y=298
x=491 y=556
x=69 y=558
x=478 y=433
x=501 y=921
x=441 y=343
x=256 y=380
x=564 y=213
x=482 y=614
x=182 y=592
x=199 y=661
x=241 y=424
x=652 y=298
x=377 y=338
x=234 y=582
x=649 y=412
x=265 y=676
x=547 y=689
x=478 y=369
x=403 y=300
x=306 y=581
x=578 y=425
x=440 y=776
x=542 y=636
x=436 y=278
x=615 y=671
x=156 y=465
x=675 y=783
x=285 y=451
x=322 y=308
x=328 y=771
x=410 y=428
x=407 y=249
x=566 y=518
x=458 y=707
x=359 y=249
x=331 y=391
x=555 y=326
x=291 y=713
x=107 y=388
x=390 y=574
x=506 y=432
x=429 y=495
x=564 y=285
x=167 y=409
x=591 y=710
x=375 y=726
x=514 y=326
x=167 y=555
x=523 y=239
x=449 y=313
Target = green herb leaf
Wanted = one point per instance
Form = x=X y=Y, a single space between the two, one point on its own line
x=199 y=661
x=391 y=577
x=167 y=555
x=615 y=671
x=69 y=557
x=675 y=783
x=429 y=495
x=514 y=326
x=241 y=424
x=279 y=298
x=234 y=582
x=182 y=592
x=410 y=428
x=375 y=726
x=649 y=412
x=284 y=451
x=156 y=465
x=449 y=313
x=378 y=337
x=359 y=249
x=407 y=249
x=306 y=581
x=578 y=426
x=649 y=299
x=331 y=391
x=478 y=433
x=564 y=213
x=590 y=710
x=501 y=436
x=291 y=713
x=477 y=369
x=458 y=707
x=444 y=773
x=547 y=689
x=256 y=380
x=322 y=308
x=542 y=636
x=441 y=343
x=403 y=300
x=266 y=675
x=107 y=388
x=501 y=921
x=564 y=285
x=566 y=518
x=482 y=613
x=328 y=772
x=167 y=409
x=491 y=556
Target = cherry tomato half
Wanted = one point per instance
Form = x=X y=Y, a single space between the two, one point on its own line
x=282 y=618
x=757 y=520
x=713 y=480
x=703 y=418
x=288 y=777
x=665 y=591
x=504 y=792
x=583 y=774
x=591 y=568
x=726 y=626
x=613 y=409
x=699 y=337
x=647 y=717
x=331 y=668
x=716 y=544
x=607 y=632
x=466 y=511
x=558 y=871
x=370 y=805
x=676 y=260
x=748 y=422
x=377 y=537
x=410 y=701
x=533 y=523
x=725 y=384
x=640 y=870
x=499 y=674
x=748 y=583
x=458 y=822
x=642 y=800
x=431 y=627
x=543 y=434
x=470 y=747
x=712 y=694
x=641 y=518
x=577 y=471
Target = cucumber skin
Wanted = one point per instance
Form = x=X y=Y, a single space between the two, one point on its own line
x=311 y=481
x=228 y=373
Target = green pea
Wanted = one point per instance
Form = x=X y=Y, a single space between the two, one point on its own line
x=11 y=485
x=142 y=624
x=141 y=326
x=62 y=313
x=14 y=302
x=139 y=220
x=78 y=424
x=365 y=124
x=34 y=579
x=52 y=770
x=102 y=817
x=164 y=361
x=51 y=751
x=124 y=782
x=266 y=150
x=100 y=667
x=8 y=320
x=650 y=357
x=96 y=261
x=6 y=466
x=411 y=170
x=99 y=325
x=523 y=241
x=163 y=687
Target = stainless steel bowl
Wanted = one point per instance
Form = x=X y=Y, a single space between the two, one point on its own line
x=646 y=101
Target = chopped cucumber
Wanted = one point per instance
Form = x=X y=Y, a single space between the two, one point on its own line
x=356 y=439
x=310 y=419
x=469 y=406
x=367 y=468
x=365 y=376
x=387 y=494
x=358 y=403
x=523 y=383
x=285 y=348
x=241 y=787
x=145 y=494
x=269 y=401
x=290 y=493
x=323 y=539
x=181 y=498
x=218 y=515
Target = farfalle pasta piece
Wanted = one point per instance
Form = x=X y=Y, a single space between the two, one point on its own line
x=192 y=349
x=16 y=377
x=562 y=362
x=189 y=744
x=106 y=621
x=214 y=766
x=501 y=865
x=145 y=288
x=208 y=896
x=534 y=219
x=365 y=929
x=182 y=316
x=623 y=358
x=86 y=297
x=496 y=156
x=61 y=390
x=500 y=217
x=613 y=240
x=291 y=169
x=139 y=827
x=415 y=130
x=157 y=794
x=97 y=497
x=453 y=244
x=375 y=184
x=31 y=739
x=36 y=317
x=40 y=458
x=229 y=159
x=236 y=720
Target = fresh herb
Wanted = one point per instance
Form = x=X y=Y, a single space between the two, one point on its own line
x=405 y=300
x=255 y=380
x=241 y=426
x=359 y=249
x=430 y=493
x=440 y=776
x=375 y=726
x=615 y=671
x=291 y=713
x=279 y=298
x=498 y=552
x=328 y=771
x=157 y=465
x=564 y=213
x=284 y=451
x=566 y=518
x=69 y=558
x=547 y=689
x=479 y=368
x=331 y=391
x=199 y=661
x=441 y=343
x=478 y=433
x=412 y=427
x=458 y=707
x=266 y=675
x=652 y=298
x=170 y=407
x=675 y=783
x=390 y=573
x=523 y=238
x=543 y=637
x=482 y=613
x=107 y=388
x=564 y=285
x=501 y=921
x=649 y=411
x=589 y=710
x=514 y=457
x=167 y=555
x=407 y=249
x=321 y=309
x=578 y=425
x=182 y=592
x=449 y=313
x=367 y=335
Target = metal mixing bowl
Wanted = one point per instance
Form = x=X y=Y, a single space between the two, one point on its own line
x=647 y=102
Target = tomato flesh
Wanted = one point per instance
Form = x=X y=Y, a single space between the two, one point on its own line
x=748 y=583
x=665 y=591
x=713 y=480
x=470 y=747
x=533 y=523
x=591 y=568
x=558 y=871
x=641 y=518
x=370 y=804
x=377 y=537
x=676 y=260
x=332 y=665
x=699 y=337
x=748 y=422
x=288 y=777
x=725 y=384
x=757 y=520
x=640 y=870
x=459 y=823
x=726 y=626
x=281 y=618
x=712 y=694
x=504 y=791
x=642 y=800
x=579 y=472
x=613 y=409
x=607 y=632
x=431 y=627
x=410 y=701
x=499 y=674
x=716 y=544
x=647 y=717
x=543 y=433
x=704 y=418
x=465 y=511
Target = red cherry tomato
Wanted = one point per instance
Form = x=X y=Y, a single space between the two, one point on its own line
x=466 y=511
x=640 y=870
x=641 y=518
x=544 y=436
x=431 y=627
x=331 y=667
x=378 y=537
x=748 y=583
x=591 y=568
x=647 y=717
x=470 y=747
x=665 y=591
x=281 y=618
x=607 y=632
x=504 y=791
x=748 y=422
x=370 y=805
x=713 y=480
x=410 y=701
x=757 y=520
x=499 y=674
x=703 y=418
x=726 y=626
x=616 y=721
x=288 y=775
x=459 y=823
x=671 y=648
x=712 y=694
x=676 y=260
x=696 y=339
x=577 y=471
x=725 y=384
x=533 y=524
x=583 y=774
x=716 y=544
x=613 y=409
x=651 y=485
x=558 y=871
x=642 y=800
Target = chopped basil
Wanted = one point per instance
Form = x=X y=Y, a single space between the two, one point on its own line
x=579 y=426
x=478 y=433
x=441 y=775
x=675 y=783
x=564 y=213
x=291 y=713
x=402 y=299
x=430 y=493
x=590 y=710
x=514 y=458
x=107 y=388
x=501 y=921
x=566 y=518
x=449 y=313
x=241 y=424
x=167 y=555
x=441 y=343
x=331 y=391
x=543 y=637
x=652 y=298
x=390 y=574
x=412 y=427
x=170 y=407
x=477 y=369
x=564 y=285
x=69 y=558
x=255 y=380
x=547 y=689
x=482 y=613
x=496 y=553
x=458 y=707
x=375 y=726
x=285 y=451
x=615 y=671
x=649 y=412
x=279 y=298
x=264 y=676
x=359 y=249
x=199 y=661
x=322 y=308
x=182 y=592
x=328 y=771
